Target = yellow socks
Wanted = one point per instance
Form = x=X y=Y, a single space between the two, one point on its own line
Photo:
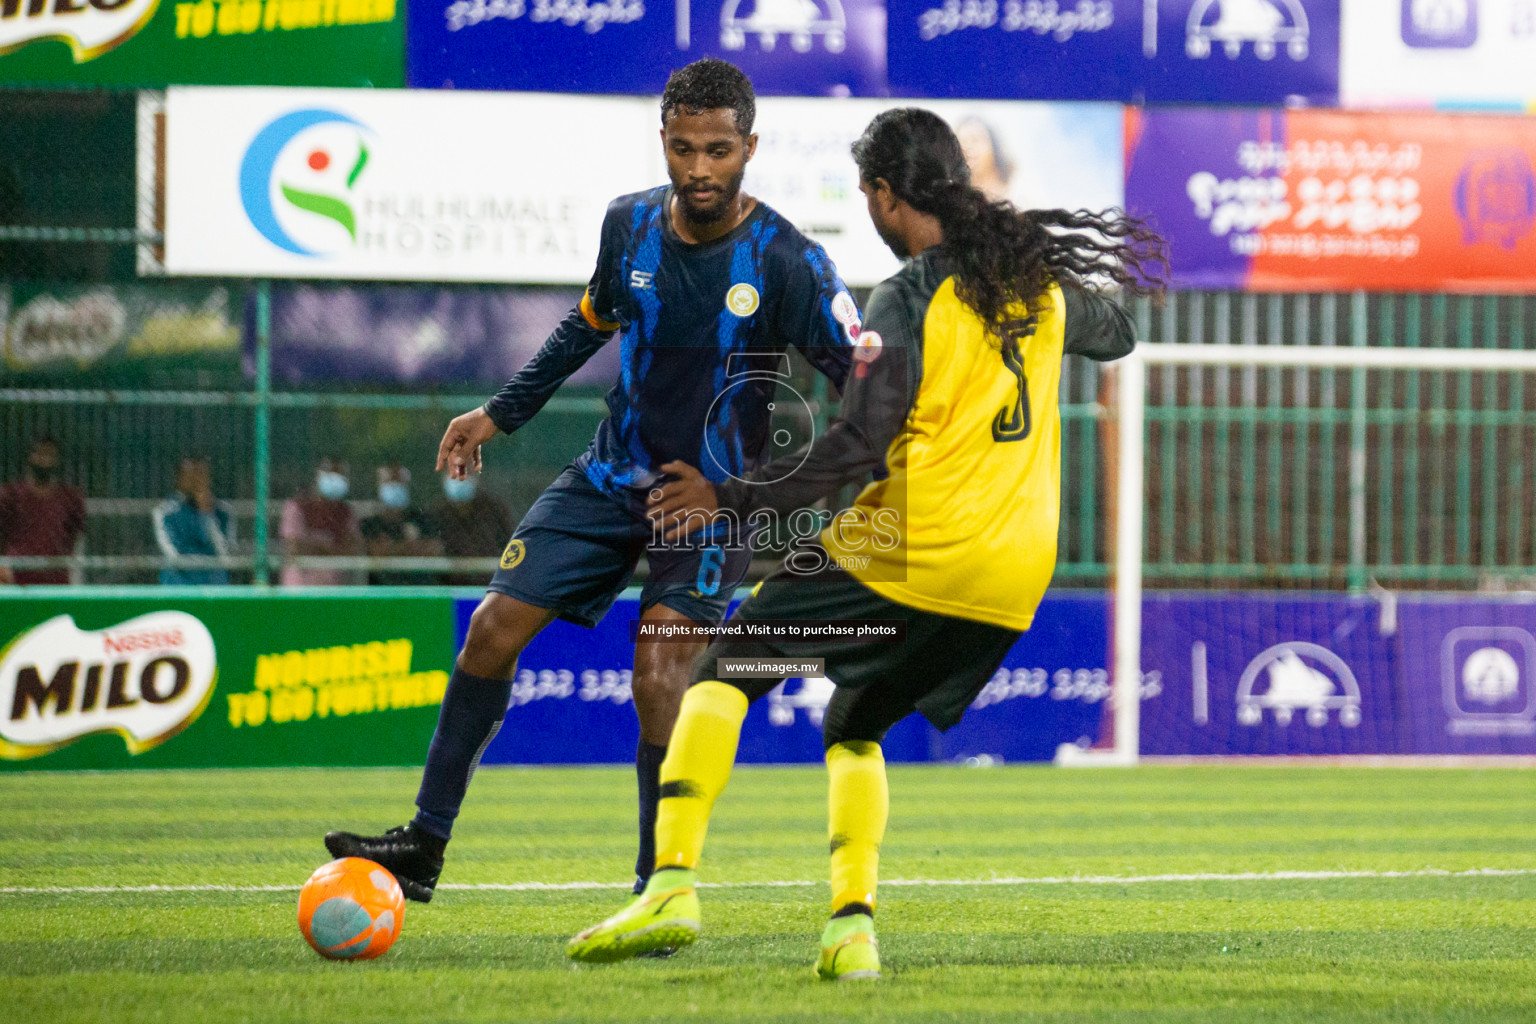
x=696 y=769
x=858 y=803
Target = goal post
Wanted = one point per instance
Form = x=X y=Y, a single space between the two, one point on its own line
x=1447 y=460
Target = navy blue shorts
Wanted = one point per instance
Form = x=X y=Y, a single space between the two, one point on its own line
x=576 y=550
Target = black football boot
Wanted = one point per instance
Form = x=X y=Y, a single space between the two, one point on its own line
x=414 y=857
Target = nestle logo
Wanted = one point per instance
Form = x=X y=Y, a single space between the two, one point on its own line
x=149 y=641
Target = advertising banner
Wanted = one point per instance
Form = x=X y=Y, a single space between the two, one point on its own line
x=152 y=333
x=571 y=701
x=216 y=42
x=1035 y=154
x=320 y=679
x=1318 y=675
x=419 y=334
x=397 y=185
x=413 y=185
x=788 y=47
x=1476 y=54
x=1310 y=200
x=242 y=680
x=1141 y=51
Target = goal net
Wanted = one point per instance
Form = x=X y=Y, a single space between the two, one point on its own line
x=1321 y=550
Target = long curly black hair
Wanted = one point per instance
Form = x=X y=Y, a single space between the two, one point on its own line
x=1004 y=255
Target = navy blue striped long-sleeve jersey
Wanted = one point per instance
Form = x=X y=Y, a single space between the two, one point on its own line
x=682 y=312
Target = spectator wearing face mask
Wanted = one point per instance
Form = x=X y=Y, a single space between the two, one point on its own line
x=193 y=522
x=472 y=524
x=40 y=515
x=321 y=523
x=399 y=529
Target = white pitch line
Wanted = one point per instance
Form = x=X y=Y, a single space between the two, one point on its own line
x=1242 y=876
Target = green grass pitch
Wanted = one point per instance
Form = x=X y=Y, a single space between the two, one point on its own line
x=1413 y=947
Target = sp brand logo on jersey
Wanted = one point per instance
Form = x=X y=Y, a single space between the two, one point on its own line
x=90 y=28
x=742 y=299
x=145 y=679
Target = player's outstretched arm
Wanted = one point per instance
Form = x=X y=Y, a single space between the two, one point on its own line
x=565 y=351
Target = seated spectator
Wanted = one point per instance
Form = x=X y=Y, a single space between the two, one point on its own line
x=193 y=522
x=40 y=515
x=471 y=524
x=321 y=523
x=398 y=530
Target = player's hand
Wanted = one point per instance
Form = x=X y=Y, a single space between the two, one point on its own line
x=459 y=452
x=6 y=576
x=673 y=502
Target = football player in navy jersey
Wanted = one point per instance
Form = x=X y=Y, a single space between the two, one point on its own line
x=703 y=286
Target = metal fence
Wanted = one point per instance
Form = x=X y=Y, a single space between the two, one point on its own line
x=1248 y=471
x=1340 y=477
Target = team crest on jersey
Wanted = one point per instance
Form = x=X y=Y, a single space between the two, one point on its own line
x=866 y=349
x=513 y=556
x=844 y=311
x=742 y=299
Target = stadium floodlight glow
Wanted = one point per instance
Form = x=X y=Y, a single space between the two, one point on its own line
x=1130 y=411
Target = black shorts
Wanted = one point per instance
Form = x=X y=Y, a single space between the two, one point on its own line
x=938 y=669
x=577 y=548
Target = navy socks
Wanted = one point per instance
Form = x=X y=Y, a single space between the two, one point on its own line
x=471 y=715
x=648 y=758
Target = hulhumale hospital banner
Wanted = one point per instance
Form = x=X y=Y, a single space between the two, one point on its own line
x=1309 y=200
x=1141 y=51
x=162 y=42
x=788 y=47
x=402 y=185
x=436 y=186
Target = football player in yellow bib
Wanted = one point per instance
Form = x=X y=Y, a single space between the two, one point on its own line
x=952 y=408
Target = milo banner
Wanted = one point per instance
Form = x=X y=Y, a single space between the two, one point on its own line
x=232 y=681
x=1312 y=200
x=216 y=42
x=160 y=333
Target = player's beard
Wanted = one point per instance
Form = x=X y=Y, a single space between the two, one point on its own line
x=717 y=208
x=889 y=237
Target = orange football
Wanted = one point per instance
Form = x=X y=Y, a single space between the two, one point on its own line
x=351 y=909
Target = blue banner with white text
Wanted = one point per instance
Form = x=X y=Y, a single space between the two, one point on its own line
x=1223 y=674
x=571 y=700
x=1153 y=51
x=787 y=47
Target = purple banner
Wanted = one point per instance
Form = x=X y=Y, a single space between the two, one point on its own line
x=403 y=334
x=1139 y=51
x=571 y=700
x=1224 y=674
x=1267 y=675
x=787 y=47
x=1207 y=179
